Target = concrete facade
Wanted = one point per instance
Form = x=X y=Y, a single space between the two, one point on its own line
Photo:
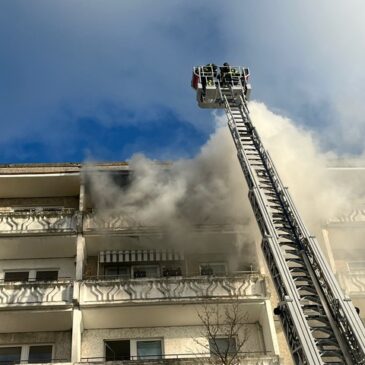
x=47 y=225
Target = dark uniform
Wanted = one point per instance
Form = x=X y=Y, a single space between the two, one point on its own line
x=225 y=75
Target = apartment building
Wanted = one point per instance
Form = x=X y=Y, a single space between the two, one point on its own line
x=80 y=287
x=344 y=234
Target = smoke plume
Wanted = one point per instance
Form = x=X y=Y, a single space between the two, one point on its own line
x=210 y=189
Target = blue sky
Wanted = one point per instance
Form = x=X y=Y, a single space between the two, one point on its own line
x=101 y=80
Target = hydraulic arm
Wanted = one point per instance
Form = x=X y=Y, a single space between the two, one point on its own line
x=320 y=323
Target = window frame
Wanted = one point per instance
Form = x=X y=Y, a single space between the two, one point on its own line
x=14 y=346
x=118 y=266
x=157 y=266
x=15 y=271
x=117 y=340
x=148 y=340
x=133 y=355
x=38 y=345
x=227 y=338
x=210 y=264
x=25 y=348
x=32 y=274
x=45 y=270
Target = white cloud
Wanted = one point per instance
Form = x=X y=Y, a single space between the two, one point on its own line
x=63 y=60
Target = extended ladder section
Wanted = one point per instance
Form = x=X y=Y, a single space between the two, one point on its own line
x=320 y=323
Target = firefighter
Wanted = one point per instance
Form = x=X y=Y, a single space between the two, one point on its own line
x=225 y=75
x=235 y=75
x=209 y=73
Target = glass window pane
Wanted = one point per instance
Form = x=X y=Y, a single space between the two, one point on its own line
x=46 y=275
x=16 y=276
x=149 y=349
x=116 y=271
x=10 y=355
x=146 y=271
x=40 y=354
x=117 y=350
x=221 y=345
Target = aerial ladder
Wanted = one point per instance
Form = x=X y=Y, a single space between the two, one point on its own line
x=321 y=324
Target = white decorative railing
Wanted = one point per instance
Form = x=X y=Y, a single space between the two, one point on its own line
x=118 y=222
x=189 y=359
x=356 y=215
x=353 y=283
x=38 y=222
x=180 y=288
x=35 y=293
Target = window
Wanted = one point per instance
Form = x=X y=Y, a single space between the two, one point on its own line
x=117 y=350
x=46 y=275
x=16 y=276
x=116 y=271
x=133 y=349
x=217 y=269
x=10 y=355
x=27 y=353
x=40 y=354
x=31 y=275
x=222 y=345
x=147 y=350
x=38 y=209
x=171 y=271
x=145 y=271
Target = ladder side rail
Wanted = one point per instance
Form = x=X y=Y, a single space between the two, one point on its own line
x=298 y=327
x=281 y=190
x=348 y=321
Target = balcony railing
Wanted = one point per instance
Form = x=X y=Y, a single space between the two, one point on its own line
x=246 y=358
x=246 y=286
x=93 y=222
x=35 y=222
x=353 y=282
x=53 y=293
x=53 y=361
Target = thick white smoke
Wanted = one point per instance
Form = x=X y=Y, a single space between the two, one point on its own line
x=210 y=188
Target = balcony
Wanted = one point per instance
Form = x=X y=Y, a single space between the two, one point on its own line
x=53 y=362
x=28 y=294
x=354 y=283
x=190 y=359
x=98 y=223
x=179 y=289
x=38 y=222
x=35 y=306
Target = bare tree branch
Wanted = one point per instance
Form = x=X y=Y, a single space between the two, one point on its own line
x=225 y=328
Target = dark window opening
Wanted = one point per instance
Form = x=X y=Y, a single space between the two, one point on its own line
x=148 y=271
x=46 y=275
x=171 y=271
x=218 y=269
x=117 y=350
x=116 y=271
x=40 y=354
x=16 y=276
x=10 y=355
